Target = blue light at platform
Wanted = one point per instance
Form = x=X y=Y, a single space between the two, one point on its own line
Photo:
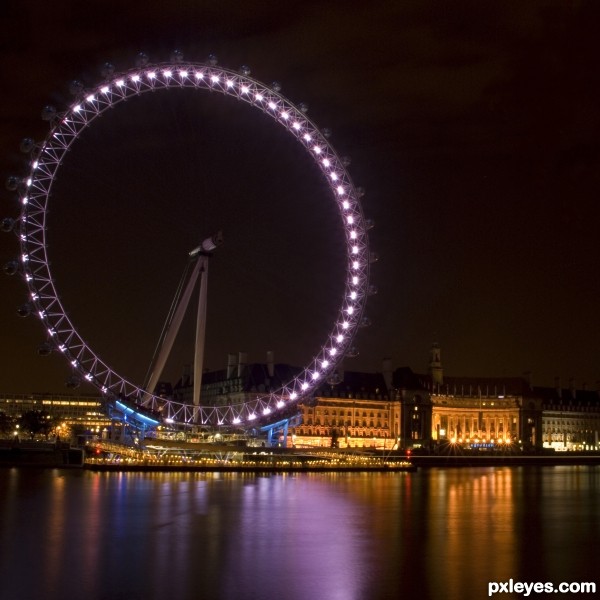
x=136 y=414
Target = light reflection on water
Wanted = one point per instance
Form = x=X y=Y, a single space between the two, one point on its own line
x=442 y=532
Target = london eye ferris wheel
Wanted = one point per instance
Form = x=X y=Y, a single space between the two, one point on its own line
x=36 y=189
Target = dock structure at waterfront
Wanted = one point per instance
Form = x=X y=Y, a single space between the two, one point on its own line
x=114 y=457
x=15 y=453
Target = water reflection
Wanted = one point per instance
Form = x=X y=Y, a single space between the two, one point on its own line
x=472 y=514
x=333 y=536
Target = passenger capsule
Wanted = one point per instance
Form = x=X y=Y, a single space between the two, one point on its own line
x=73 y=382
x=108 y=70
x=7 y=224
x=11 y=267
x=141 y=60
x=12 y=183
x=48 y=113
x=27 y=145
x=44 y=349
x=75 y=88
x=24 y=310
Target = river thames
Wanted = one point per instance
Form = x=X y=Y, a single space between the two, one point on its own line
x=436 y=533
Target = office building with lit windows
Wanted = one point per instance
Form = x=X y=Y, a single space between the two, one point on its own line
x=570 y=417
x=86 y=410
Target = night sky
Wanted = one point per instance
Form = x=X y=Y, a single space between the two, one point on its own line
x=474 y=128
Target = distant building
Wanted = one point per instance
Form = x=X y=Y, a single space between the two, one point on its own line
x=391 y=409
x=494 y=412
x=401 y=408
x=570 y=417
x=351 y=410
x=239 y=382
x=467 y=411
x=89 y=411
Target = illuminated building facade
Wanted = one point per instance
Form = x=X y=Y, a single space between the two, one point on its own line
x=475 y=420
x=494 y=413
x=570 y=417
x=489 y=413
x=400 y=408
x=392 y=409
x=351 y=410
x=89 y=411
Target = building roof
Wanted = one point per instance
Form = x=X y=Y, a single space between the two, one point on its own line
x=483 y=386
x=405 y=378
x=568 y=398
x=354 y=384
x=254 y=377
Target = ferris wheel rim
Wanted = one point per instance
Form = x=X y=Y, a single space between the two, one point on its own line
x=65 y=128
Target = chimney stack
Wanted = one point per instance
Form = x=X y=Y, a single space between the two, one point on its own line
x=242 y=362
x=231 y=363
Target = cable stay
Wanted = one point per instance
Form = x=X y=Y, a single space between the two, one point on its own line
x=168 y=321
x=196 y=269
